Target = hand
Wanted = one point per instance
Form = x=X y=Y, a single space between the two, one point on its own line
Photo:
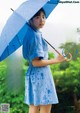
x=70 y=55
x=61 y=58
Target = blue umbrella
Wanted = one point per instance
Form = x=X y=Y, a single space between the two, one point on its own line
x=16 y=27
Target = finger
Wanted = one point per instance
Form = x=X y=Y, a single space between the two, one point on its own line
x=70 y=55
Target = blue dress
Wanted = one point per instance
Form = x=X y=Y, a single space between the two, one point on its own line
x=39 y=83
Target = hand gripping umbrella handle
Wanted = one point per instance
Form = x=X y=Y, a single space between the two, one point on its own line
x=60 y=53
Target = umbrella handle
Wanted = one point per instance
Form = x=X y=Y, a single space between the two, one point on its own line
x=67 y=59
x=70 y=57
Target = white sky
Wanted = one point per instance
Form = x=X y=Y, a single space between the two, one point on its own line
x=66 y=14
x=5 y=11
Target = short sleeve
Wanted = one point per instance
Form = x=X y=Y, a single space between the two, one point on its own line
x=36 y=47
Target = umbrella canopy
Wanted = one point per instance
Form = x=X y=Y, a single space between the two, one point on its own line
x=16 y=27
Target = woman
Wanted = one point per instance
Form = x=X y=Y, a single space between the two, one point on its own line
x=40 y=90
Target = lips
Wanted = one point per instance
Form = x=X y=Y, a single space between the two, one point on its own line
x=41 y=24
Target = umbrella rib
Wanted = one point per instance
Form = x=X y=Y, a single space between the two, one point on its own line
x=19 y=40
x=18 y=14
x=8 y=49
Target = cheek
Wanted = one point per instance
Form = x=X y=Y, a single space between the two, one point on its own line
x=44 y=22
x=36 y=21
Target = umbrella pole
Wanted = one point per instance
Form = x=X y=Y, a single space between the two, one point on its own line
x=60 y=53
x=53 y=47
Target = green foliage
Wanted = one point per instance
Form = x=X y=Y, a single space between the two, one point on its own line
x=51 y=55
x=3 y=69
x=15 y=99
x=67 y=80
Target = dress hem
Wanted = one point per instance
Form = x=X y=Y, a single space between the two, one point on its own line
x=41 y=103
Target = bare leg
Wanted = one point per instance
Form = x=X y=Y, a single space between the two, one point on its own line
x=45 y=108
x=33 y=109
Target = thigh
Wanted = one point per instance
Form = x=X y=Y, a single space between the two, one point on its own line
x=45 y=108
x=33 y=109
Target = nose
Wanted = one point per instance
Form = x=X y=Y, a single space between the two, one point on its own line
x=42 y=19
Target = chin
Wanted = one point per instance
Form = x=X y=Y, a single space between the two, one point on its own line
x=41 y=26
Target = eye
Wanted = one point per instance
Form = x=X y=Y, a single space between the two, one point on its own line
x=37 y=17
x=44 y=17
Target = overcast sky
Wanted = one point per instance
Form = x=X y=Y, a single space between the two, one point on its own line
x=61 y=24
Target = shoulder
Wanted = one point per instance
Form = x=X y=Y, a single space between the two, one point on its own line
x=31 y=32
x=34 y=35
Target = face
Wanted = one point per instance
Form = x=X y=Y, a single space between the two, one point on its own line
x=38 y=21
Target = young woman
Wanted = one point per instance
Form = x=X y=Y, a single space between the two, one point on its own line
x=40 y=90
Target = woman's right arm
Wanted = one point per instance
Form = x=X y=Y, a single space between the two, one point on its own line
x=42 y=62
